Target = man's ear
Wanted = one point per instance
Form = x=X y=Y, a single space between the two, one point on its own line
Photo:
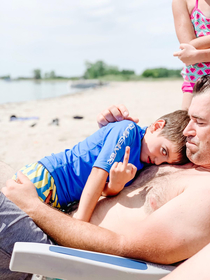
x=158 y=125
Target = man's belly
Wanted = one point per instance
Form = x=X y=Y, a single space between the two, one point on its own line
x=121 y=213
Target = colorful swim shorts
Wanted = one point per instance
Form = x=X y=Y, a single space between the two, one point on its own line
x=42 y=180
x=187 y=87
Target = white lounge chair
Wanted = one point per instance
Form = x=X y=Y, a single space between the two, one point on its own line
x=66 y=263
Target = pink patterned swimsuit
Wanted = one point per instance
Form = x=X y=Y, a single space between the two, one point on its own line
x=201 y=26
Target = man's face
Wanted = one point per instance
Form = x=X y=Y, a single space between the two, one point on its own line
x=198 y=130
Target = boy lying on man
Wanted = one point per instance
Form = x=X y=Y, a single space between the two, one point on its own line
x=61 y=178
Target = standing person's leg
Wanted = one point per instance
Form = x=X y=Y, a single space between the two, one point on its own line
x=187 y=89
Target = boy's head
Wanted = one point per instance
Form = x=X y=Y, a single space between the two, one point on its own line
x=164 y=140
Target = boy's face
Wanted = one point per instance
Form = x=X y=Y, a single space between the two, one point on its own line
x=155 y=148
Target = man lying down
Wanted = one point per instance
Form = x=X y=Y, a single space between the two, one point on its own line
x=162 y=217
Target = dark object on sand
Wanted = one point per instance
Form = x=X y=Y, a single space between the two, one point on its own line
x=33 y=124
x=54 y=122
x=14 y=118
x=78 y=117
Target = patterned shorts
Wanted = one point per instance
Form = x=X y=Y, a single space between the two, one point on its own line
x=42 y=180
x=187 y=87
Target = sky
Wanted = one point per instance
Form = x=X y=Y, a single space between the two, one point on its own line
x=62 y=35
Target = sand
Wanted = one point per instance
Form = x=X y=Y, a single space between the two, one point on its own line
x=22 y=143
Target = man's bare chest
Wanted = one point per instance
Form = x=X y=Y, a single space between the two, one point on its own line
x=151 y=190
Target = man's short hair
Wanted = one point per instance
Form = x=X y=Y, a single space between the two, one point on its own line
x=201 y=85
x=175 y=124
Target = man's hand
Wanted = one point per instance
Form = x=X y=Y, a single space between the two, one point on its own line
x=187 y=54
x=120 y=174
x=23 y=193
x=114 y=114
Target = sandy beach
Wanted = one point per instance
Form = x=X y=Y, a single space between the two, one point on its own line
x=27 y=141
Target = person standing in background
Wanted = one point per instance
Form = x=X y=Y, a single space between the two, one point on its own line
x=192 y=24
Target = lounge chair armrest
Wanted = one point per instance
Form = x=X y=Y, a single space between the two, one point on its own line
x=67 y=263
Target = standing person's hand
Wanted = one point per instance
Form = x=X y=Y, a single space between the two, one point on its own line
x=114 y=114
x=187 y=54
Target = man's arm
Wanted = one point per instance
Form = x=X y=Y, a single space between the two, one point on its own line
x=177 y=230
x=63 y=229
x=114 y=114
x=174 y=232
x=197 y=267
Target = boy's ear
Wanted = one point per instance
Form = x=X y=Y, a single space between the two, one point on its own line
x=158 y=125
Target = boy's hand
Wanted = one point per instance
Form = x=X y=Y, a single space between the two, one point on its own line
x=120 y=174
x=23 y=193
x=114 y=114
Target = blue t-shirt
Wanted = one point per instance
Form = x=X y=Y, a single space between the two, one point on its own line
x=71 y=168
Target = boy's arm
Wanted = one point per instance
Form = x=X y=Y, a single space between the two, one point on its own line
x=120 y=174
x=91 y=193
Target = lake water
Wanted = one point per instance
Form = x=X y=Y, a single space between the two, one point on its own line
x=20 y=91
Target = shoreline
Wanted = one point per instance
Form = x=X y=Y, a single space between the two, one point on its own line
x=28 y=141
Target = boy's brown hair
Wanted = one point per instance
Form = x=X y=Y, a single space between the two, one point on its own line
x=175 y=124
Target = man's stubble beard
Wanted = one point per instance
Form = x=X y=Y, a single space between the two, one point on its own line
x=199 y=158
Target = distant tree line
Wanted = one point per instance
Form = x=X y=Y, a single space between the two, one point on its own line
x=161 y=73
x=5 y=77
x=37 y=75
x=103 y=71
x=100 y=69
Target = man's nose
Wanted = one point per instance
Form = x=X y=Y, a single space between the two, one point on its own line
x=189 y=129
